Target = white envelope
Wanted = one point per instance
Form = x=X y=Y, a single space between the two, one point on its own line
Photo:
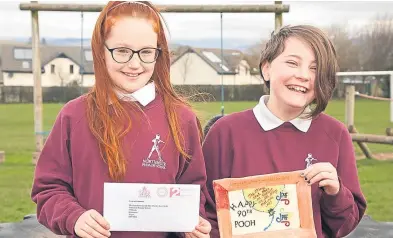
x=151 y=207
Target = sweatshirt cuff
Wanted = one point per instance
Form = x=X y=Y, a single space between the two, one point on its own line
x=215 y=233
x=338 y=201
x=73 y=216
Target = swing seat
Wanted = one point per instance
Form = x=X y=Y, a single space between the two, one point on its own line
x=210 y=123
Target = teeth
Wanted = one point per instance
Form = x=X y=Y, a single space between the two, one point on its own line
x=131 y=75
x=297 y=88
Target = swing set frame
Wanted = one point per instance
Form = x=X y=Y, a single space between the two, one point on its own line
x=34 y=7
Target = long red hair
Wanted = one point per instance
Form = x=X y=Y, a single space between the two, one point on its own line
x=107 y=120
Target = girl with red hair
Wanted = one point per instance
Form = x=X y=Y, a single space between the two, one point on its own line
x=131 y=127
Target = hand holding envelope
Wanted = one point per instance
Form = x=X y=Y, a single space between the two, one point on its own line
x=202 y=230
x=153 y=207
x=91 y=224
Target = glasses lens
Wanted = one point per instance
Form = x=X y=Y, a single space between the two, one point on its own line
x=122 y=55
x=148 y=55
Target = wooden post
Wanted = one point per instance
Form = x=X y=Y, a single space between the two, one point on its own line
x=350 y=106
x=37 y=83
x=1 y=92
x=350 y=118
x=210 y=8
x=278 y=17
x=363 y=146
x=2 y=157
x=391 y=97
x=372 y=138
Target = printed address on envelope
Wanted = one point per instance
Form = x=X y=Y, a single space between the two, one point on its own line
x=151 y=207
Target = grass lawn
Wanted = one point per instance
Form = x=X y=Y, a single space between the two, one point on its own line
x=17 y=140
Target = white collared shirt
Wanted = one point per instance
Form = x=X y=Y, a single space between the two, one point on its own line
x=144 y=95
x=269 y=121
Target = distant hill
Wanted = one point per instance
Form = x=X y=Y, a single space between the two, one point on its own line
x=228 y=43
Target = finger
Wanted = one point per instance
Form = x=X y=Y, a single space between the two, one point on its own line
x=97 y=227
x=204 y=226
x=199 y=234
x=100 y=219
x=205 y=229
x=190 y=235
x=83 y=234
x=321 y=176
x=306 y=171
x=328 y=182
x=315 y=169
x=311 y=169
x=90 y=231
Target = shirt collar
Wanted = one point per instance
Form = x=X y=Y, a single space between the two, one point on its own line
x=144 y=95
x=269 y=121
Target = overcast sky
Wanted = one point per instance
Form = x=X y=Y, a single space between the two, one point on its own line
x=184 y=26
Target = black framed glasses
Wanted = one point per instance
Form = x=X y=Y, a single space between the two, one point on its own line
x=123 y=54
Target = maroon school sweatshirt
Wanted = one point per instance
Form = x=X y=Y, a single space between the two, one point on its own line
x=237 y=146
x=70 y=174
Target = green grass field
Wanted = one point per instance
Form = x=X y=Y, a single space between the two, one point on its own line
x=17 y=140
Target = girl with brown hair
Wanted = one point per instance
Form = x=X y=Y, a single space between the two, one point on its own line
x=288 y=131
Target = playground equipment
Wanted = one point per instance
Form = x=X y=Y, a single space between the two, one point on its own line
x=278 y=8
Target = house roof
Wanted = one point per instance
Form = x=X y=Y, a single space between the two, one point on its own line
x=228 y=64
x=212 y=56
x=47 y=52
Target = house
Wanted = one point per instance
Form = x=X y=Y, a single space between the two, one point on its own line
x=66 y=65
x=204 y=66
x=61 y=65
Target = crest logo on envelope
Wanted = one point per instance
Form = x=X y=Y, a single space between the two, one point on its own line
x=144 y=193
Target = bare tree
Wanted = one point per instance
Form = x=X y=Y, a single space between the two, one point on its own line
x=186 y=64
x=347 y=48
x=377 y=44
x=61 y=76
x=253 y=53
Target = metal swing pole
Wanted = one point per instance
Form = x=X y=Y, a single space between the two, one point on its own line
x=222 y=75
x=82 y=69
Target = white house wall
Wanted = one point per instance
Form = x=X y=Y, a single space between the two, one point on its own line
x=88 y=80
x=191 y=69
x=60 y=77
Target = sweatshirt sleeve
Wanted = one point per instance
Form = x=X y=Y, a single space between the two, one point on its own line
x=194 y=171
x=341 y=213
x=57 y=208
x=218 y=159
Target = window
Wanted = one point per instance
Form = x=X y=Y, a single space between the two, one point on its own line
x=71 y=69
x=211 y=56
x=23 y=54
x=225 y=68
x=52 y=68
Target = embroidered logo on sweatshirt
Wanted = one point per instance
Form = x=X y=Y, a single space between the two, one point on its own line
x=309 y=160
x=155 y=149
